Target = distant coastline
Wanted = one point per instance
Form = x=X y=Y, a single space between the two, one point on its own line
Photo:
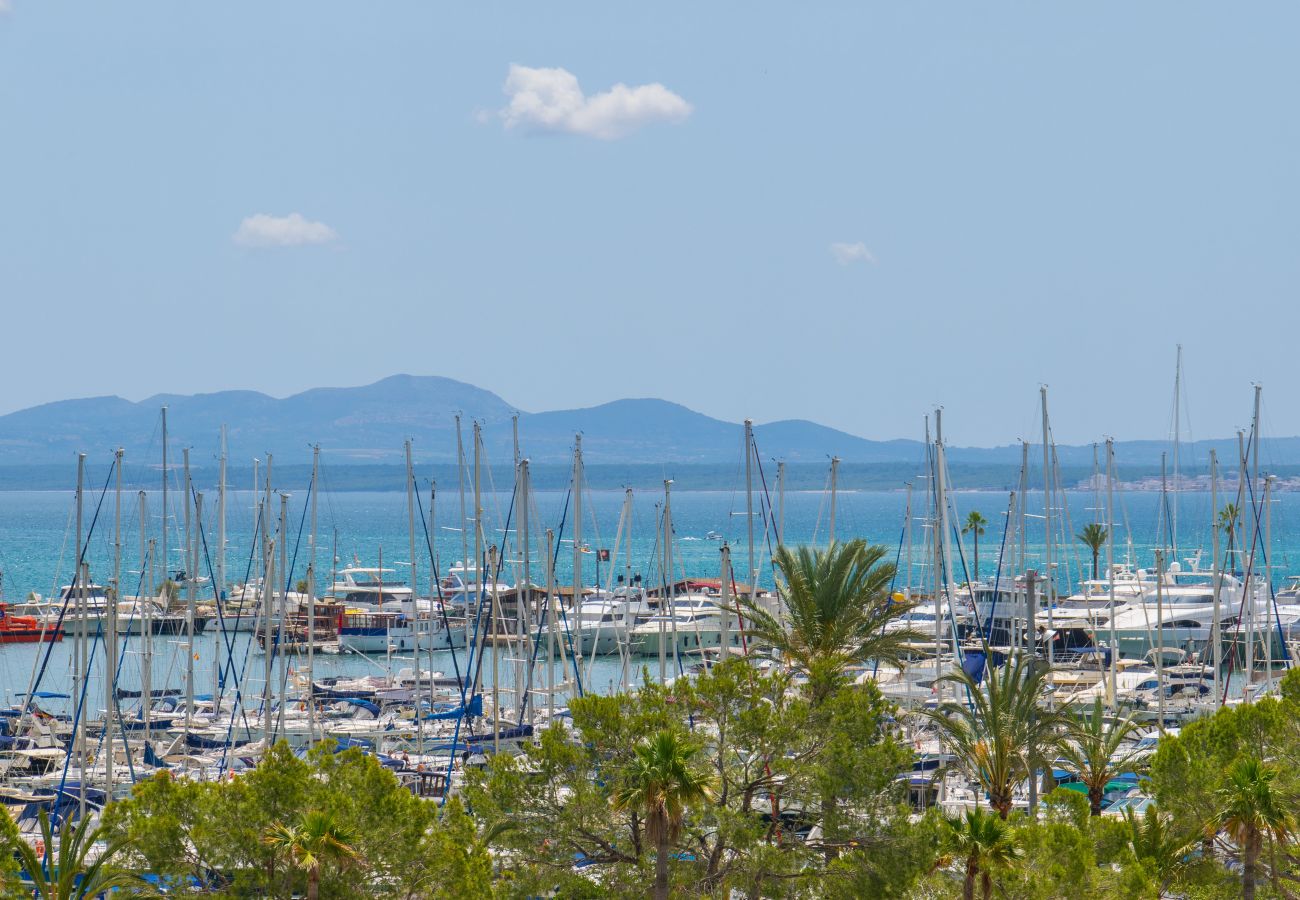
x=600 y=476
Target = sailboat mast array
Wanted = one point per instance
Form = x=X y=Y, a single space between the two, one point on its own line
x=375 y=658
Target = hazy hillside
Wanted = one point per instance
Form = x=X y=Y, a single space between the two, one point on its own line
x=368 y=424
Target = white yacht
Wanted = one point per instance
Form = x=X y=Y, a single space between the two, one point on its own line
x=370 y=588
x=604 y=620
x=921 y=618
x=1094 y=596
x=692 y=624
x=134 y=615
x=401 y=630
x=1178 y=612
x=97 y=603
x=242 y=608
x=461 y=586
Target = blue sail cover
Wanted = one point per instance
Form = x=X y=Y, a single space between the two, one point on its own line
x=973 y=665
x=362 y=704
x=151 y=757
x=473 y=710
x=506 y=734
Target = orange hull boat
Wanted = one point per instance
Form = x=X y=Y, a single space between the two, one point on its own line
x=26 y=629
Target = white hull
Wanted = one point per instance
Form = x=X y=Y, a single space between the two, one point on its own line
x=401 y=638
x=689 y=641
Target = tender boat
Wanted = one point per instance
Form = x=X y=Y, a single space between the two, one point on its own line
x=16 y=629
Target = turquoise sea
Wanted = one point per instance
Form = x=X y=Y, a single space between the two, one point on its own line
x=37 y=539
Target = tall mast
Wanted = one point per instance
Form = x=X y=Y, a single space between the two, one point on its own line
x=550 y=623
x=1022 y=557
x=80 y=655
x=1164 y=497
x=496 y=655
x=943 y=598
x=464 y=536
x=524 y=611
x=1216 y=639
x=144 y=604
x=577 y=539
x=1110 y=567
x=221 y=519
x=940 y=579
x=666 y=574
x=283 y=579
x=749 y=508
x=478 y=508
x=194 y=568
x=1246 y=567
x=311 y=603
x=110 y=632
x=1178 y=391
x=416 y=623
x=907 y=544
x=724 y=633
x=1049 y=588
x=624 y=639
x=780 y=503
x=1160 y=634
x=479 y=565
x=1254 y=469
x=221 y=570
x=189 y=596
x=1254 y=429
x=268 y=565
x=435 y=595
x=672 y=587
x=1096 y=485
x=1267 y=634
x=266 y=510
x=835 y=469
x=166 y=563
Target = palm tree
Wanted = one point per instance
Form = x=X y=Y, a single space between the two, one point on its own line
x=63 y=870
x=987 y=842
x=837 y=605
x=1156 y=844
x=1093 y=747
x=317 y=838
x=1094 y=536
x=999 y=732
x=1250 y=808
x=1228 y=522
x=975 y=528
x=660 y=787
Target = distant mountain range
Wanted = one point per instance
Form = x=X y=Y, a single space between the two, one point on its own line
x=368 y=424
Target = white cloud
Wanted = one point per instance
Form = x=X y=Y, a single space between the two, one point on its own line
x=846 y=254
x=6 y=7
x=550 y=100
x=293 y=230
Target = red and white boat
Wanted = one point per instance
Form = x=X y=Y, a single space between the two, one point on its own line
x=26 y=629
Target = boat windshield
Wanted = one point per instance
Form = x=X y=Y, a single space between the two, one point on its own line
x=373 y=579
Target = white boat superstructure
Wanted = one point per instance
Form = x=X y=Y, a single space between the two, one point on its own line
x=605 y=619
x=461 y=586
x=401 y=630
x=68 y=604
x=694 y=622
x=137 y=614
x=370 y=588
x=1178 y=613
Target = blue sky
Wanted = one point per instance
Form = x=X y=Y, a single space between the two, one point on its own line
x=842 y=212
